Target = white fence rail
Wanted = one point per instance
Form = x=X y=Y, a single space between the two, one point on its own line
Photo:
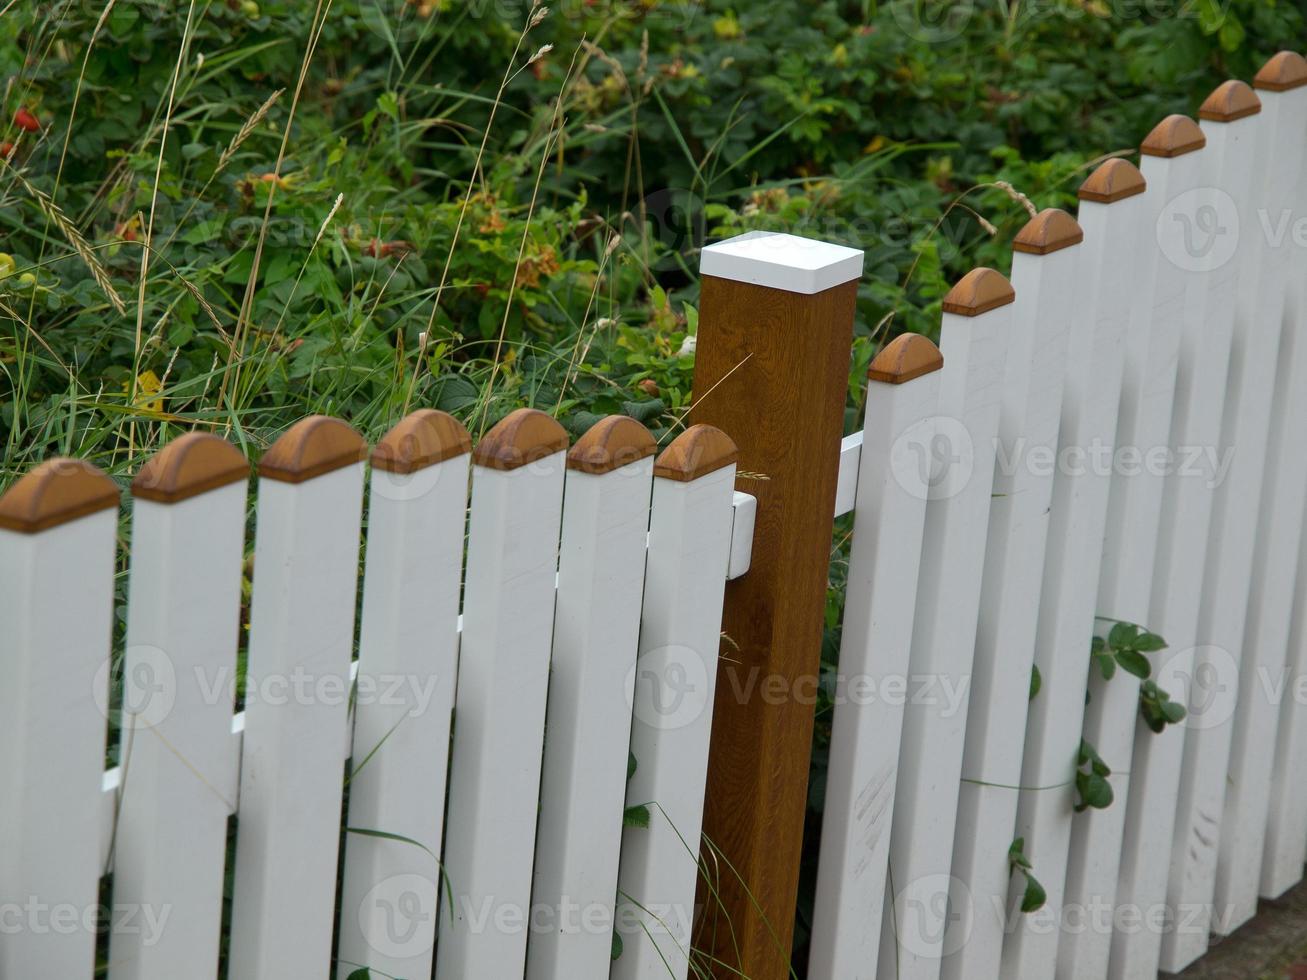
x=513 y=759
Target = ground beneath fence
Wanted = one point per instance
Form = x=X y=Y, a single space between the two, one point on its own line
x=1273 y=946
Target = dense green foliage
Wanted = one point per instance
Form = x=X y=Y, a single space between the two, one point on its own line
x=479 y=204
x=569 y=243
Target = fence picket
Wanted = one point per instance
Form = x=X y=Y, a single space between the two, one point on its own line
x=1100 y=297
x=1204 y=741
x=974 y=338
x=1045 y=267
x=296 y=701
x=407 y=668
x=1152 y=341
x=1188 y=501
x=57 y=527
x=675 y=678
x=889 y=517
x=1279 y=519
x=596 y=633
x=1285 y=850
x=183 y=617
x=508 y=616
x=1285 y=847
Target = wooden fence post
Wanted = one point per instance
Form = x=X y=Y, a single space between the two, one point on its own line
x=772 y=370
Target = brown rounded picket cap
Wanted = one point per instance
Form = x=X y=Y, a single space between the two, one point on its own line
x=56 y=492
x=421 y=439
x=1286 y=70
x=696 y=452
x=1230 y=101
x=312 y=447
x=907 y=356
x=979 y=291
x=1174 y=136
x=1113 y=181
x=188 y=466
x=611 y=443
x=1049 y=231
x=520 y=437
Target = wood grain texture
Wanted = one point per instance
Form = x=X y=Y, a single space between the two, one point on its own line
x=1174 y=136
x=421 y=439
x=56 y=492
x=312 y=447
x=1115 y=180
x=979 y=291
x=1049 y=231
x=610 y=444
x=188 y=466
x=519 y=438
x=772 y=372
x=904 y=358
x=1284 y=71
x=1230 y=101
x=696 y=452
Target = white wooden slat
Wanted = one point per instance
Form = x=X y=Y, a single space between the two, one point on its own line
x=846 y=487
x=1204 y=741
x=296 y=712
x=948 y=598
x=183 y=619
x=675 y=679
x=1106 y=293
x=56 y=604
x=407 y=670
x=583 y=786
x=1182 y=550
x=1285 y=850
x=494 y=781
x=744 y=515
x=1262 y=680
x=876 y=640
x=1009 y=598
x=1153 y=339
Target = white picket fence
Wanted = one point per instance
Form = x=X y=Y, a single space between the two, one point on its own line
x=1108 y=437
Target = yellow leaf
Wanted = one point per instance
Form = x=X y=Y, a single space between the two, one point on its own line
x=148 y=386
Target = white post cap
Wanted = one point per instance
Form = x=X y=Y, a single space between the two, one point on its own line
x=788 y=262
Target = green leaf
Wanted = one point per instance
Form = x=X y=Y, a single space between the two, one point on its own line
x=1173 y=711
x=1122 y=636
x=1035 y=896
x=631 y=765
x=617 y=946
x=1095 y=791
x=1036 y=681
x=1134 y=663
x=1107 y=664
x=636 y=816
x=1149 y=642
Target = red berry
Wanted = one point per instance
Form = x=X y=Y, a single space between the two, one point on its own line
x=6 y=150
x=25 y=120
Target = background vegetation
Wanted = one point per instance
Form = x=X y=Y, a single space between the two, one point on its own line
x=233 y=213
